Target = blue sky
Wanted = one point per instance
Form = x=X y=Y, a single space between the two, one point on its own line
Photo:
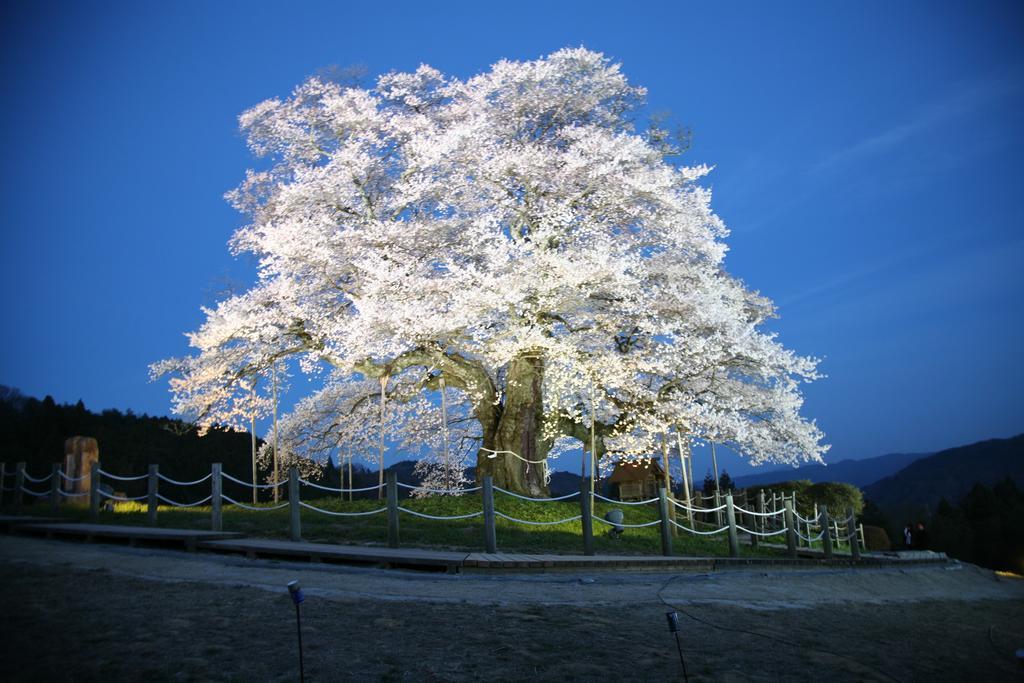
x=866 y=159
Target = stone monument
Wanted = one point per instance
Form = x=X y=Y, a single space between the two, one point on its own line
x=80 y=452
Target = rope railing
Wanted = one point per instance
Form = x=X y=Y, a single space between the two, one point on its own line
x=625 y=502
x=758 y=533
x=413 y=487
x=526 y=521
x=623 y=524
x=342 y=514
x=123 y=499
x=695 y=531
x=184 y=483
x=120 y=478
x=183 y=505
x=426 y=516
x=759 y=524
x=254 y=508
x=809 y=539
x=537 y=500
x=745 y=511
x=684 y=506
x=227 y=476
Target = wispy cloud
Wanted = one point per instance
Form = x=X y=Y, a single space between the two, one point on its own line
x=961 y=103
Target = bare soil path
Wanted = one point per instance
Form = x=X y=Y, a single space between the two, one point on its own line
x=84 y=612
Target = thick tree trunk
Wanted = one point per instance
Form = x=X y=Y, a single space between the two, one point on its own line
x=517 y=430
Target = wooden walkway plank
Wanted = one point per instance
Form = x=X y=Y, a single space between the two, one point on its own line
x=133 y=534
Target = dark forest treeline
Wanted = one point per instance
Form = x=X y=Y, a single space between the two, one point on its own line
x=33 y=431
x=985 y=528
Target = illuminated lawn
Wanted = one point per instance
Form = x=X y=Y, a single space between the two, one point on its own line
x=464 y=534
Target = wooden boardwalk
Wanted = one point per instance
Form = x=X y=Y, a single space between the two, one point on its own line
x=436 y=560
x=520 y=562
x=7 y=522
x=397 y=558
x=134 y=535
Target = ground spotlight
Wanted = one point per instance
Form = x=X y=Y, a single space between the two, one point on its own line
x=673 y=627
x=295 y=590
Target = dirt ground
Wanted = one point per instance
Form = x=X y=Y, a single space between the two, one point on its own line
x=77 y=612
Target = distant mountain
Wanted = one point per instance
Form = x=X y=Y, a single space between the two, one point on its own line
x=949 y=474
x=563 y=483
x=860 y=473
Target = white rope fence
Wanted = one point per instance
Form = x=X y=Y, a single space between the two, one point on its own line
x=758 y=533
x=441 y=491
x=809 y=539
x=686 y=507
x=526 y=521
x=176 y=504
x=254 y=508
x=120 y=478
x=623 y=524
x=123 y=499
x=227 y=476
x=342 y=514
x=695 y=531
x=757 y=514
x=762 y=523
x=440 y=517
x=623 y=502
x=184 y=483
x=537 y=500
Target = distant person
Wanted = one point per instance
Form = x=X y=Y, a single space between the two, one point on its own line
x=908 y=536
x=920 y=537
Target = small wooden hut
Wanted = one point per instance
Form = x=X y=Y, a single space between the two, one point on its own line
x=636 y=480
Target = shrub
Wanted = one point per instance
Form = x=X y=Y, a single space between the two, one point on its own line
x=876 y=538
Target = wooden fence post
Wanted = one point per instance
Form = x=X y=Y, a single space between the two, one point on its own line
x=490 y=534
x=94 y=491
x=152 y=484
x=55 y=488
x=790 y=530
x=730 y=517
x=666 y=533
x=19 y=484
x=826 y=528
x=391 y=489
x=216 y=500
x=763 y=521
x=294 y=510
x=586 y=518
x=851 y=529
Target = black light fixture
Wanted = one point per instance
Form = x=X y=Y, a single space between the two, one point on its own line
x=673 y=627
x=295 y=590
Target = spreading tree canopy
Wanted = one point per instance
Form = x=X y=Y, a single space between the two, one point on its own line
x=516 y=237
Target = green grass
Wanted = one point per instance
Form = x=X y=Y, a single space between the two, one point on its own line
x=463 y=535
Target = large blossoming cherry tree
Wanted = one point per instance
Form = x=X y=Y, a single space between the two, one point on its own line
x=516 y=238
